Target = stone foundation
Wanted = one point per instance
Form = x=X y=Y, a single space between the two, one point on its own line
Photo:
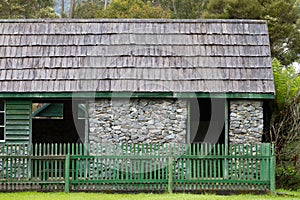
x=137 y=121
x=246 y=122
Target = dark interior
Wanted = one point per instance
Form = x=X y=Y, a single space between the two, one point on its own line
x=63 y=129
x=207 y=121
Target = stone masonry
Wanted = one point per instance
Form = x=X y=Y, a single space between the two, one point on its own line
x=137 y=121
x=246 y=122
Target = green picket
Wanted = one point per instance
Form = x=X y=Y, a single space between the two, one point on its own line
x=139 y=167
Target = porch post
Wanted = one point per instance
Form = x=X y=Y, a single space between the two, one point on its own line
x=67 y=173
x=188 y=122
x=272 y=170
x=226 y=139
x=86 y=121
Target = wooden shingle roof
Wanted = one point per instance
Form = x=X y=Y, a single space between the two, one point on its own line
x=107 y=55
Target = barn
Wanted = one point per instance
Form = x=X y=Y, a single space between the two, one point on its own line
x=137 y=82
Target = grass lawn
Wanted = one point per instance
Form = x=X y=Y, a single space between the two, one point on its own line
x=92 y=196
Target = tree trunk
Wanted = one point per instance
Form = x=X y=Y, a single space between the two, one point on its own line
x=72 y=6
x=174 y=8
x=62 y=8
x=105 y=4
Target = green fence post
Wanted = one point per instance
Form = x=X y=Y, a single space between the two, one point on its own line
x=170 y=175
x=272 y=171
x=67 y=173
x=263 y=162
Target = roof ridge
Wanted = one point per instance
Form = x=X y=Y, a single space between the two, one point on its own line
x=255 y=21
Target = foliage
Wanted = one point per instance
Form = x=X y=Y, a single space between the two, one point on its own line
x=182 y=9
x=233 y=9
x=132 y=9
x=282 y=17
x=11 y=9
x=88 y=9
x=284 y=126
x=288 y=170
x=287 y=84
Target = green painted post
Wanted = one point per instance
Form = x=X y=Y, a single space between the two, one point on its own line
x=263 y=174
x=67 y=173
x=272 y=171
x=226 y=143
x=188 y=123
x=170 y=177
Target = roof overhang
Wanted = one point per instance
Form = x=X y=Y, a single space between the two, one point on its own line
x=89 y=95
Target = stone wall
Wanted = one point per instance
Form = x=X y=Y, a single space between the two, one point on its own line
x=246 y=121
x=137 y=121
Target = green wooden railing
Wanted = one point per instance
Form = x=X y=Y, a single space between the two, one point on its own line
x=148 y=167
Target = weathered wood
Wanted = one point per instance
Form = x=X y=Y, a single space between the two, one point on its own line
x=34 y=52
x=147 y=167
x=17 y=121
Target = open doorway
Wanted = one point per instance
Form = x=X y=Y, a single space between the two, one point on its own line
x=207 y=118
x=56 y=121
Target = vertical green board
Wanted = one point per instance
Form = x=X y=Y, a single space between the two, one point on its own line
x=18 y=121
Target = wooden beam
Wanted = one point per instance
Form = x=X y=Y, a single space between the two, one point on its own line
x=188 y=123
x=92 y=95
x=226 y=132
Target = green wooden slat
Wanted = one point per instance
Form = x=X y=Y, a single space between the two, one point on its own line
x=214 y=163
x=16 y=117
x=16 y=142
x=132 y=181
x=14 y=111
x=135 y=95
x=67 y=173
x=139 y=157
x=55 y=162
x=194 y=162
x=72 y=163
x=17 y=136
x=170 y=175
x=18 y=122
x=97 y=160
x=16 y=107
x=238 y=166
x=11 y=133
x=17 y=127
x=272 y=171
x=16 y=102
x=39 y=151
x=206 y=161
x=219 y=161
x=239 y=181
x=46 y=157
x=78 y=166
x=27 y=182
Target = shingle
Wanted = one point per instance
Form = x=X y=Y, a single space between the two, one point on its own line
x=195 y=53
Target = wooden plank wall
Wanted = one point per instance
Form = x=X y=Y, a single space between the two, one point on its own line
x=18 y=121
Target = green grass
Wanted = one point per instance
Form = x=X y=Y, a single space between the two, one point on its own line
x=95 y=196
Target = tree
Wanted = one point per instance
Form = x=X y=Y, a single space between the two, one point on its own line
x=88 y=9
x=10 y=9
x=182 y=9
x=132 y=9
x=284 y=126
x=282 y=17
